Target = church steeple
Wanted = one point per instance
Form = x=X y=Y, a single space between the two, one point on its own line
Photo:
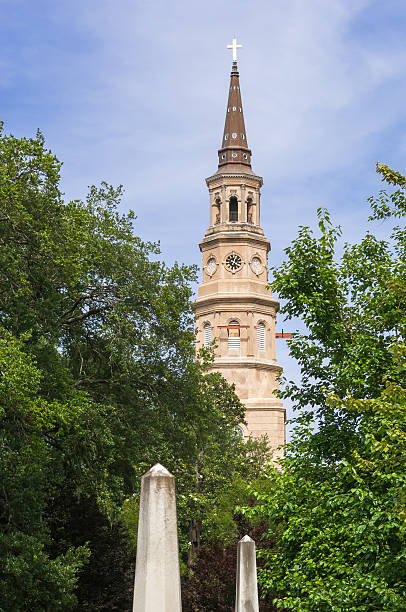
x=234 y=305
x=234 y=150
x=234 y=188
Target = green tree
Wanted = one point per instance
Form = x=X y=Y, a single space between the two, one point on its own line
x=340 y=526
x=107 y=330
x=354 y=309
x=337 y=510
x=30 y=472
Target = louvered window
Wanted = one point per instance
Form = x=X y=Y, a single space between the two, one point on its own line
x=261 y=336
x=233 y=208
x=207 y=334
x=234 y=336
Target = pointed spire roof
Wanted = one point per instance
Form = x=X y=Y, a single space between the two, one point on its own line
x=234 y=154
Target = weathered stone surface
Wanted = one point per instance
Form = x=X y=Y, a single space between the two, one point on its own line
x=157 y=575
x=246 y=598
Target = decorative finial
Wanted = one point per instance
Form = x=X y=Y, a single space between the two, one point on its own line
x=234 y=47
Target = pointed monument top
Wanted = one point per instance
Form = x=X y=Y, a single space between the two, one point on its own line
x=246 y=538
x=158 y=470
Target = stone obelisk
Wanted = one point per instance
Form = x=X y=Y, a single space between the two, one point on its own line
x=157 y=574
x=246 y=597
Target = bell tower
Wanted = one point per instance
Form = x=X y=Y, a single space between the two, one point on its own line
x=234 y=306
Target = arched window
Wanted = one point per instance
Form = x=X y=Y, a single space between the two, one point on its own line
x=261 y=336
x=233 y=209
x=234 y=336
x=207 y=334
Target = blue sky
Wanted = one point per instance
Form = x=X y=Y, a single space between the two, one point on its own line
x=134 y=93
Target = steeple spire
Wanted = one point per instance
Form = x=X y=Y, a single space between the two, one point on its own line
x=234 y=305
x=234 y=150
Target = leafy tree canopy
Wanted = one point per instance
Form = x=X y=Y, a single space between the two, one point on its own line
x=99 y=381
x=354 y=309
x=337 y=510
x=340 y=526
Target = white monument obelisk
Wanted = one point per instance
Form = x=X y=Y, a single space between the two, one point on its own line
x=157 y=574
x=246 y=597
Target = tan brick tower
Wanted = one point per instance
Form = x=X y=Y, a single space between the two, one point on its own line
x=234 y=306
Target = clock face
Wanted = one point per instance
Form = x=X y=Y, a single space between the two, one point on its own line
x=233 y=262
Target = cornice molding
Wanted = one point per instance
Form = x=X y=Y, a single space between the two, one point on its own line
x=202 y=310
x=237 y=237
x=256 y=364
x=218 y=176
x=275 y=408
x=244 y=301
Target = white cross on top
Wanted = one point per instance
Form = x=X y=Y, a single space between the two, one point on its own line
x=234 y=47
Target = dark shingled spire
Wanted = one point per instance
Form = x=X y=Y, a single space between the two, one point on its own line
x=234 y=149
